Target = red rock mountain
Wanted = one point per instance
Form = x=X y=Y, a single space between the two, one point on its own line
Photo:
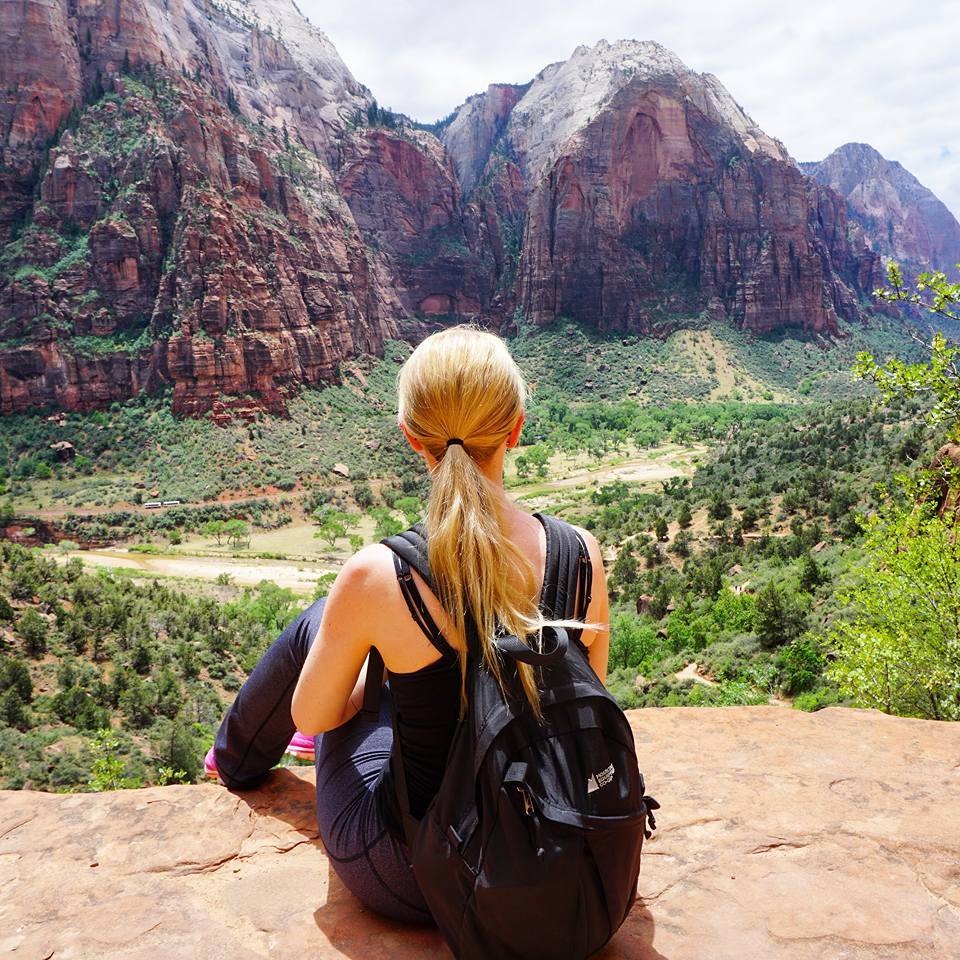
x=651 y=196
x=201 y=196
x=900 y=217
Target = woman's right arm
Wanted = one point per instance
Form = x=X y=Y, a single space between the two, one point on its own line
x=597 y=641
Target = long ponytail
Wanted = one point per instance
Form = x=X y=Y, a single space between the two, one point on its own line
x=462 y=384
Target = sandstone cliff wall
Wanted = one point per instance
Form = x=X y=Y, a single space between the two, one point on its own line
x=202 y=196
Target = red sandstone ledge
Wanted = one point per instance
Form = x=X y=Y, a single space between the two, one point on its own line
x=783 y=836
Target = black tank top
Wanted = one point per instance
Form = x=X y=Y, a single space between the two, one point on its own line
x=426 y=704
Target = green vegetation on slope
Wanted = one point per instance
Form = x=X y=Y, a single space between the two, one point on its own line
x=80 y=652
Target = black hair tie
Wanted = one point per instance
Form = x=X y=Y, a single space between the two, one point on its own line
x=454 y=440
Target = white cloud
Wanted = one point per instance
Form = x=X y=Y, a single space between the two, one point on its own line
x=816 y=76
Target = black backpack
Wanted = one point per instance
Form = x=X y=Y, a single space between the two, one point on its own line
x=531 y=847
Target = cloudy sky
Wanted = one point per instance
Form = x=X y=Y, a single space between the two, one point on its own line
x=815 y=75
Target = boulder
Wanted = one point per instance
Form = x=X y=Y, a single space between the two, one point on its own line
x=782 y=836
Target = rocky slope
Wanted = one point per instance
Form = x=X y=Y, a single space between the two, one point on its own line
x=900 y=217
x=162 y=225
x=201 y=196
x=782 y=836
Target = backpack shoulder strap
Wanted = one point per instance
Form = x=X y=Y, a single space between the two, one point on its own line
x=410 y=551
x=569 y=574
x=411 y=546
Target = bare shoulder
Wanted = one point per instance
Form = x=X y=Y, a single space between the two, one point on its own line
x=370 y=566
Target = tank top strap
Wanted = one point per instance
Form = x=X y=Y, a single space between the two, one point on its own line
x=418 y=609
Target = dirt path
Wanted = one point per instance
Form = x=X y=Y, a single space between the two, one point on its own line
x=653 y=466
x=298 y=576
x=690 y=672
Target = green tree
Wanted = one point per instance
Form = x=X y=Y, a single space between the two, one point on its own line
x=215 y=529
x=410 y=507
x=660 y=603
x=780 y=618
x=76 y=706
x=749 y=517
x=32 y=630
x=177 y=748
x=141 y=658
x=900 y=651
x=324 y=583
x=331 y=532
x=108 y=768
x=811 y=576
x=719 y=508
x=684 y=517
x=14 y=674
x=681 y=544
x=660 y=528
x=363 y=494
x=538 y=457
x=136 y=702
x=237 y=532
x=387 y=524
x=13 y=710
x=625 y=569
x=630 y=641
x=936 y=381
x=801 y=663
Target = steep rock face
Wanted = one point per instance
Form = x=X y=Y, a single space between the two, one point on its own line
x=172 y=243
x=652 y=196
x=40 y=80
x=657 y=210
x=169 y=237
x=54 y=53
x=899 y=216
x=565 y=98
x=781 y=836
x=444 y=257
x=194 y=195
x=476 y=127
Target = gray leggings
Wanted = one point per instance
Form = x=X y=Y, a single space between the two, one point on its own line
x=350 y=763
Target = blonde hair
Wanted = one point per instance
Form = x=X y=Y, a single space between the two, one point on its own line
x=463 y=383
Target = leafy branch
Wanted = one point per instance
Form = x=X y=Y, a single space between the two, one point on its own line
x=934 y=292
x=937 y=379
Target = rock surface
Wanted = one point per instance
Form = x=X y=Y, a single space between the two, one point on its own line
x=900 y=217
x=782 y=836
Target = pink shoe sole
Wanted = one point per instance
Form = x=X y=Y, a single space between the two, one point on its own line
x=210 y=766
x=301 y=747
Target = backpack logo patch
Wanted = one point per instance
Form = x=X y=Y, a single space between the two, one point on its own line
x=597 y=780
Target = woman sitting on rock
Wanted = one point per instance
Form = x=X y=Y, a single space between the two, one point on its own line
x=461 y=406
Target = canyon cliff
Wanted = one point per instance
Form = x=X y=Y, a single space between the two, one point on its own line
x=201 y=198
x=651 y=196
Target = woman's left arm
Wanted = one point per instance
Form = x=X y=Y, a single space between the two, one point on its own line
x=330 y=687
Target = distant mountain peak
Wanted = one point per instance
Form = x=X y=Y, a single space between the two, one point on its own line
x=566 y=96
x=900 y=217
